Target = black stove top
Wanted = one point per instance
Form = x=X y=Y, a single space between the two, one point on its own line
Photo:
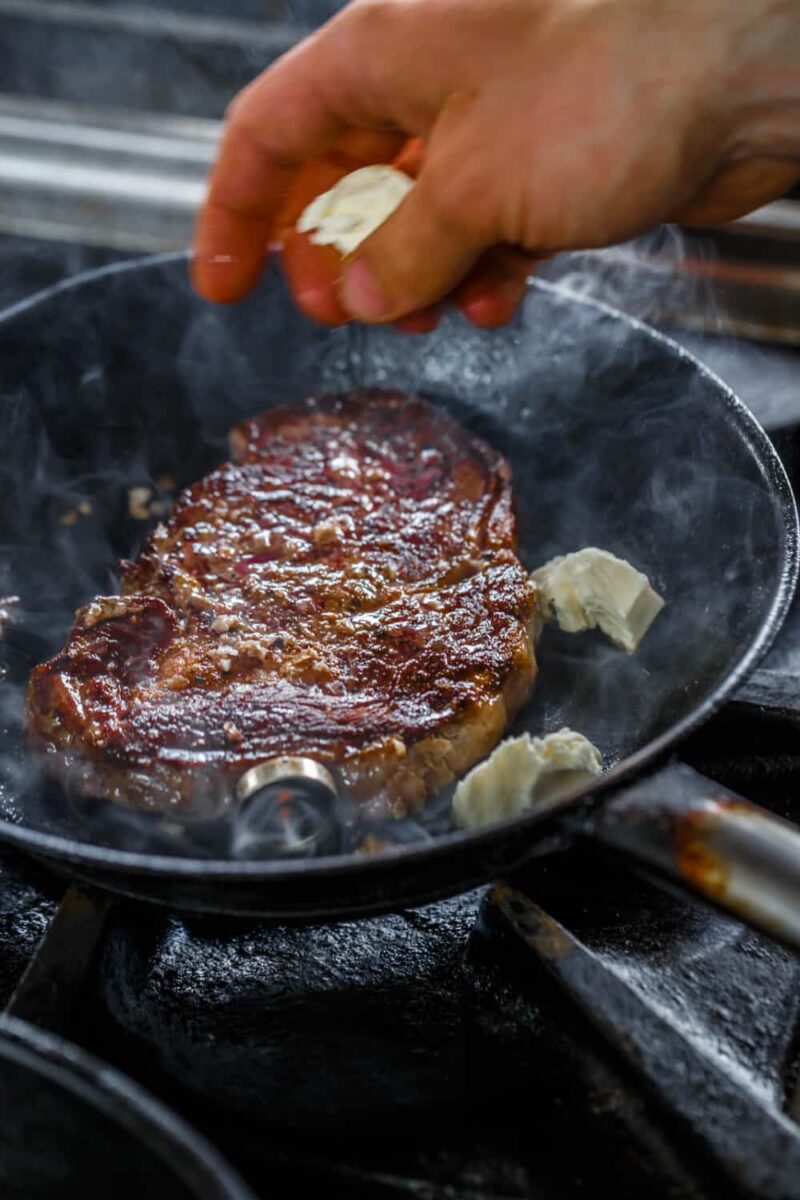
x=433 y=1053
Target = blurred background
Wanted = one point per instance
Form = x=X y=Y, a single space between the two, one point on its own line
x=109 y=115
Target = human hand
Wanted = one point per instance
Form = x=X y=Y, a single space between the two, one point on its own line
x=542 y=125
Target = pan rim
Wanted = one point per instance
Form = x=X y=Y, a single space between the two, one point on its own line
x=130 y=1106
x=177 y=867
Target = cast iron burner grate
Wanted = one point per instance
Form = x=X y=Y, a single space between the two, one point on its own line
x=430 y=1053
x=429 y=1046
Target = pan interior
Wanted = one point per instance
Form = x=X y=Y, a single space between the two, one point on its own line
x=615 y=438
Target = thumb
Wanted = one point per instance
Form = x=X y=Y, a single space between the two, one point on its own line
x=416 y=257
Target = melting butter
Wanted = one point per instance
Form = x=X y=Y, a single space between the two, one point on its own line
x=593 y=588
x=523 y=772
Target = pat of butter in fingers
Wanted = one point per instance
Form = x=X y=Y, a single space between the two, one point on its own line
x=354 y=207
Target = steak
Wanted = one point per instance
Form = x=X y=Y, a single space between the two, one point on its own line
x=346 y=588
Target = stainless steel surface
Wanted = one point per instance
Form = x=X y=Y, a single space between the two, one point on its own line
x=741 y=280
x=151 y=20
x=287 y=809
x=182 y=56
x=732 y=853
x=779 y=220
x=111 y=178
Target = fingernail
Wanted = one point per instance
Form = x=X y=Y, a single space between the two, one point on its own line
x=361 y=294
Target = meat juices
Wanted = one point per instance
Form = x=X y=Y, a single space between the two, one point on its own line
x=346 y=588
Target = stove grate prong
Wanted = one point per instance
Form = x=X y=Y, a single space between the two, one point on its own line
x=756 y=1144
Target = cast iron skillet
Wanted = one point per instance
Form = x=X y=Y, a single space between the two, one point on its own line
x=616 y=438
x=72 y=1126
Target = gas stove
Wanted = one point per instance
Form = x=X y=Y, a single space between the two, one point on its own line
x=588 y=1031
x=591 y=1031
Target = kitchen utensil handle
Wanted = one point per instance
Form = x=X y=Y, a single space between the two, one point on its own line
x=705 y=838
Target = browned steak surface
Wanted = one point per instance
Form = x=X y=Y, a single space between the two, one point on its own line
x=346 y=588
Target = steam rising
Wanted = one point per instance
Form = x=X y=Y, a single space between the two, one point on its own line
x=614 y=441
x=662 y=278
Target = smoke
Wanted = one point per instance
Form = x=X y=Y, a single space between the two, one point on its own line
x=671 y=279
x=616 y=440
x=763 y=376
x=648 y=278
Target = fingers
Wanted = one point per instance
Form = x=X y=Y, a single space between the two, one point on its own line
x=255 y=165
x=431 y=241
x=491 y=293
x=424 y=321
x=230 y=240
x=313 y=271
x=410 y=157
x=415 y=258
x=322 y=93
x=488 y=297
x=354 y=149
x=293 y=112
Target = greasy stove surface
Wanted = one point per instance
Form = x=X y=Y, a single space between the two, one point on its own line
x=428 y=1053
x=426 y=1046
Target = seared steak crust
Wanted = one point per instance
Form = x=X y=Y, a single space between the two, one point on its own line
x=346 y=588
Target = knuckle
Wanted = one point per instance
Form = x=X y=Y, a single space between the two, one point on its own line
x=373 y=20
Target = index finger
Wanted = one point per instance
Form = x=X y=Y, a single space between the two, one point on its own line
x=296 y=110
x=272 y=127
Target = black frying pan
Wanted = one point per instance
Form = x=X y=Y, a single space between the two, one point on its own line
x=72 y=1126
x=616 y=438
